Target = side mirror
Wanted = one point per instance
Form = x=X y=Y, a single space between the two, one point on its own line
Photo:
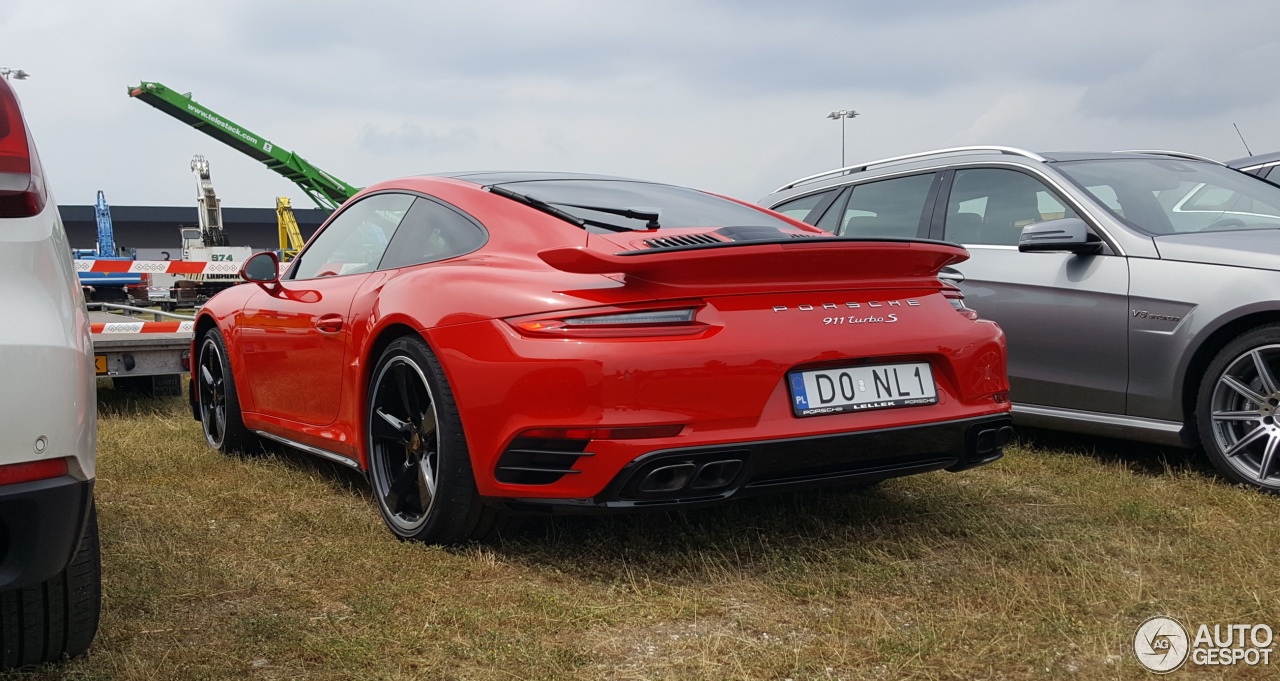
x=262 y=269
x=951 y=276
x=1065 y=234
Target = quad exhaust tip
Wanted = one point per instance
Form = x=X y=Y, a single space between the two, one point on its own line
x=668 y=478
x=716 y=474
x=675 y=477
x=992 y=439
x=1003 y=436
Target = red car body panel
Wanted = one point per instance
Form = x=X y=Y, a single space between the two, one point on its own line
x=721 y=388
x=302 y=351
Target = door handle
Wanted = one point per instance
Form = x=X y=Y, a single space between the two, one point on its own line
x=330 y=323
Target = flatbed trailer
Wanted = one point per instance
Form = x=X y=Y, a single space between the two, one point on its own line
x=147 y=363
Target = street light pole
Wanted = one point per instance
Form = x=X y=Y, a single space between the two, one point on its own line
x=842 y=115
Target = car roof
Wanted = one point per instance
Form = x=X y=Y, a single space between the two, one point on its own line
x=951 y=156
x=488 y=177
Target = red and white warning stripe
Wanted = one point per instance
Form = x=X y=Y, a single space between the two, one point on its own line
x=158 y=266
x=142 y=327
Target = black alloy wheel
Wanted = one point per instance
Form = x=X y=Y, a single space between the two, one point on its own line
x=220 y=419
x=419 y=464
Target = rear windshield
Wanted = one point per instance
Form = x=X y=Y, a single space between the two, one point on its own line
x=1162 y=196
x=676 y=206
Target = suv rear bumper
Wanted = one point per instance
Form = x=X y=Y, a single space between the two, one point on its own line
x=41 y=524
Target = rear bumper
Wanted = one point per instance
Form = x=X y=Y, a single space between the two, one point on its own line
x=794 y=463
x=730 y=386
x=41 y=524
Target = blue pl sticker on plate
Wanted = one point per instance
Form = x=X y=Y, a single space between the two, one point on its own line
x=798 y=393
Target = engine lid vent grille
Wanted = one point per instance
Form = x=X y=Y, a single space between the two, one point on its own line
x=806 y=236
x=681 y=240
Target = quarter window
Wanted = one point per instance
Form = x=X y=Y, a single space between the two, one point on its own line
x=991 y=206
x=1273 y=175
x=355 y=239
x=888 y=208
x=430 y=232
x=810 y=208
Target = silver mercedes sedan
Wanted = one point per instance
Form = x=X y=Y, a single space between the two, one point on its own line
x=1140 y=291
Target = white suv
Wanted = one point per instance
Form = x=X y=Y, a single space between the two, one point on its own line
x=50 y=580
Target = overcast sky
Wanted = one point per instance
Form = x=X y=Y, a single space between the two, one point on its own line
x=729 y=96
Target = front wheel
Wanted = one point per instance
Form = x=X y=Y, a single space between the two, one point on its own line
x=419 y=464
x=219 y=404
x=1238 y=410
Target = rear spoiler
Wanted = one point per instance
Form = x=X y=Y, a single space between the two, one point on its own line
x=776 y=265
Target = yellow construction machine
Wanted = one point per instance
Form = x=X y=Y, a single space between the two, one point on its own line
x=291 y=240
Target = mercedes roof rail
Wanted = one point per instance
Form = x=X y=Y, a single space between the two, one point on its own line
x=1013 y=151
x=1255 y=166
x=1173 y=154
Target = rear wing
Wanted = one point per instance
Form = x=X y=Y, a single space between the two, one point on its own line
x=776 y=265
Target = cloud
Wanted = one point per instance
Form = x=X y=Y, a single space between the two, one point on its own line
x=1178 y=84
x=728 y=95
x=409 y=138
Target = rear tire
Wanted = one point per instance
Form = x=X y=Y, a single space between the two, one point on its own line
x=219 y=404
x=419 y=464
x=59 y=617
x=1238 y=409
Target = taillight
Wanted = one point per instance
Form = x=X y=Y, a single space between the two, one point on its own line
x=22 y=191
x=33 y=470
x=624 y=324
x=956 y=297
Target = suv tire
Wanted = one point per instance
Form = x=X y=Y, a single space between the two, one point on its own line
x=58 y=617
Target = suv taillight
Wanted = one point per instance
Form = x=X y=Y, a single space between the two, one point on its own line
x=22 y=191
x=32 y=470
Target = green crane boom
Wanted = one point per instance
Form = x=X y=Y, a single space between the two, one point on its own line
x=326 y=190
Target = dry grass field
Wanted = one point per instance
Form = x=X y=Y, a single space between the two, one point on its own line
x=1038 y=567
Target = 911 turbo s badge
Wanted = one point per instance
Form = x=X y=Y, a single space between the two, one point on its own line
x=910 y=302
x=855 y=319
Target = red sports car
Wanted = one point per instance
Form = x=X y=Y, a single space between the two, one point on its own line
x=489 y=342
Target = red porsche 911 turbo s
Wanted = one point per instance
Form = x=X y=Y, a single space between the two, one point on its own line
x=484 y=343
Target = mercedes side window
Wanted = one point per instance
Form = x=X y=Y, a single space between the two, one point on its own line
x=429 y=232
x=812 y=209
x=888 y=208
x=1210 y=207
x=1107 y=195
x=990 y=206
x=354 y=240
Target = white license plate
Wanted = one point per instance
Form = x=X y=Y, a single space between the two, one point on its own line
x=877 y=386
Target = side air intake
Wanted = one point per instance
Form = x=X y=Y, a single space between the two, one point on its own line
x=539 y=461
